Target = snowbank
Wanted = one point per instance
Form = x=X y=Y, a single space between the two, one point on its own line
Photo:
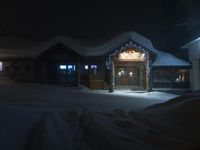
x=173 y=125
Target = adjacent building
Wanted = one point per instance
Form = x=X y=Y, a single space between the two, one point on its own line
x=189 y=37
x=129 y=60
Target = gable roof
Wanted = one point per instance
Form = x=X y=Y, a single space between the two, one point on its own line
x=164 y=59
x=33 y=49
x=117 y=41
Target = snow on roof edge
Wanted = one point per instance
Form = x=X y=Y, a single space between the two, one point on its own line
x=164 y=59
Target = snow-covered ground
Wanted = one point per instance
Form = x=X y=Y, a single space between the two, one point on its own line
x=41 y=94
x=35 y=116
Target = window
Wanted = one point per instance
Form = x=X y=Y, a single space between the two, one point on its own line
x=180 y=76
x=86 y=67
x=161 y=76
x=94 y=69
x=71 y=69
x=62 y=67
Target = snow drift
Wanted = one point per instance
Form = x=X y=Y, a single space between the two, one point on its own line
x=173 y=125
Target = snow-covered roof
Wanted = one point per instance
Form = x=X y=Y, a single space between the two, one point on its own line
x=23 y=48
x=118 y=41
x=167 y=59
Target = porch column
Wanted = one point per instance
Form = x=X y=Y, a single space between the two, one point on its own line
x=111 y=79
x=149 y=74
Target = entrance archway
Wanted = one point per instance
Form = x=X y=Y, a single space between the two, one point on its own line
x=129 y=69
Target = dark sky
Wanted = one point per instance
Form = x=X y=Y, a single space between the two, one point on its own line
x=83 y=18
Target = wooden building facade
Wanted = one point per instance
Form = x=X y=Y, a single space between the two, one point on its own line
x=128 y=63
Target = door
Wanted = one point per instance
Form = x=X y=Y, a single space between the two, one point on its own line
x=127 y=75
x=67 y=74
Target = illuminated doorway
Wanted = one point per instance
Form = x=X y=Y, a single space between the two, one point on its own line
x=129 y=68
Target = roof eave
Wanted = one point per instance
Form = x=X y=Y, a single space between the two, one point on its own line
x=190 y=43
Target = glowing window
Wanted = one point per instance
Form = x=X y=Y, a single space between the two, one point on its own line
x=63 y=67
x=70 y=66
x=86 y=67
x=1 y=66
x=93 y=66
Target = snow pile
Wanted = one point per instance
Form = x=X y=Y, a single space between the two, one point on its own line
x=171 y=125
x=182 y=113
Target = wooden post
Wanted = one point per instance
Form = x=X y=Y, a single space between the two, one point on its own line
x=89 y=76
x=148 y=74
x=111 y=79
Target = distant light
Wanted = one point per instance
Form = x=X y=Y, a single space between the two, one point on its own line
x=86 y=67
x=63 y=67
x=119 y=73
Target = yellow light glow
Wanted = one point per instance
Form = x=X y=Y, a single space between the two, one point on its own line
x=119 y=73
x=132 y=55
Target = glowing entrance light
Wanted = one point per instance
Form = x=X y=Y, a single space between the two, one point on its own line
x=132 y=55
x=62 y=67
x=130 y=74
x=119 y=73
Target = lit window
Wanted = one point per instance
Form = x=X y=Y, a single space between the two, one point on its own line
x=93 y=66
x=1 y=67
x=94 y=69
x=70 y=66
x=63 y=67
x=86 y=67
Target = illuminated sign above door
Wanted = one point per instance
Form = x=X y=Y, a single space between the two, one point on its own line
x=131 y=55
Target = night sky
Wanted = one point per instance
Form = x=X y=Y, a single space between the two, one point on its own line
x=87 y=18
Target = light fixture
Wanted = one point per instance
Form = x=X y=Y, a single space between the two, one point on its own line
x=130 y=74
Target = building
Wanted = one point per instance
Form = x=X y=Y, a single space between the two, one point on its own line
x=128 y=60
x=189 y=38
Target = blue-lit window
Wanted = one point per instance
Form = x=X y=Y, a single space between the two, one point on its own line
x=93 y=66
x=63 y=67
x=71 y=69
x=94 y=69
